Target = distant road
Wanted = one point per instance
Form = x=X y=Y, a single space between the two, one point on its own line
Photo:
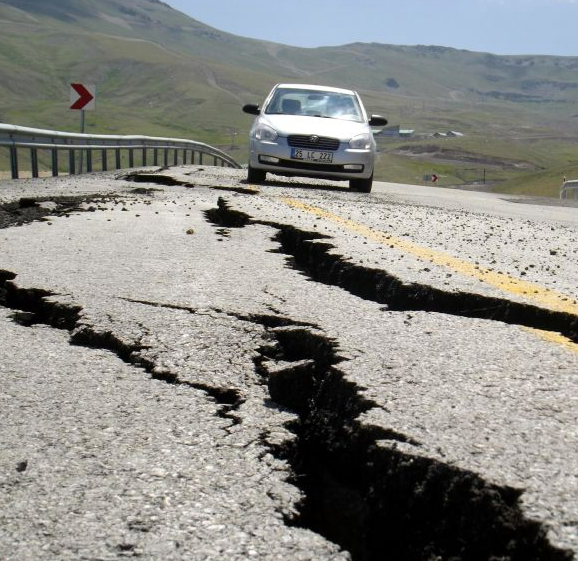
x=497 y=204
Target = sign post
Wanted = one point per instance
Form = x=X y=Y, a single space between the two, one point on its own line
x=83 y=98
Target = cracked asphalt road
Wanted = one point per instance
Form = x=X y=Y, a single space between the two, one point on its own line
x=166 y=430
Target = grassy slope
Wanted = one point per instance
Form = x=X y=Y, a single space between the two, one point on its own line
x=159 y=72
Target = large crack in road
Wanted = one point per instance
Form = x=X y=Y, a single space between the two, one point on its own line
x=42 y=307
x=363 y=495
x=374 y=500
x=359 y=490
x=31 y=209
x=369 y=498
x=313 y=255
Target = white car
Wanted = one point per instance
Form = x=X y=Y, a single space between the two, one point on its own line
x=313 y=131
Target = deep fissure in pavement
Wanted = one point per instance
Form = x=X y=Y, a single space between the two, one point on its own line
x=362 y=492
x=372 y=499
x=35 y=306
x=31 y=209
x=153 y=177
x=314 y=257
x=368 y=497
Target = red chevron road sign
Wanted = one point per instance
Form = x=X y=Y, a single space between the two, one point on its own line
x=82 y=97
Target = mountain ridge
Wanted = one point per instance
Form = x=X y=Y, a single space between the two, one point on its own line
x=152 y=19
x=159 y=71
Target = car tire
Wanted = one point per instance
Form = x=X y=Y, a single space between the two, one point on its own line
x=361 y=185
x=256 y=175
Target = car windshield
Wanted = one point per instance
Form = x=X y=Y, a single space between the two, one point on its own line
x=314 y=103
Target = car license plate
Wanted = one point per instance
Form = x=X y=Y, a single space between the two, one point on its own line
x=311 y=155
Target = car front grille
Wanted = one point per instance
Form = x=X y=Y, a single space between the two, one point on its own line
x=312 y=142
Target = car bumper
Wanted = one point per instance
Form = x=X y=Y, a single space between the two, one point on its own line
x=275 y=157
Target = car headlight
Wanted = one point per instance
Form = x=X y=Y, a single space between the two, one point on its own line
x=361 y=142
x=265 y=132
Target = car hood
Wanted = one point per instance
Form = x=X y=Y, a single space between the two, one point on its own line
x=297 y=124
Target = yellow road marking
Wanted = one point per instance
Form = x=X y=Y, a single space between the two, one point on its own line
x=535 y=293
x=553 y=337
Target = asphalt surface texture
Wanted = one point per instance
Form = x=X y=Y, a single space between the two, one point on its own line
x=193 y=367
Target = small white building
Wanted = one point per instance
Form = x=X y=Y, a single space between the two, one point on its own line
x=449 y=134
x=389 y=131
x=394 y=131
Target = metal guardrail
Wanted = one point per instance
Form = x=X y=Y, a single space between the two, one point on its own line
x=18 y=139
x=568 y=186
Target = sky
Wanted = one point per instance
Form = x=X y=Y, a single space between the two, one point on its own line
x=548 y=27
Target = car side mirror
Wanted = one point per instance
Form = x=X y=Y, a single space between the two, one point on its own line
x=252 y=109
x=377 y=121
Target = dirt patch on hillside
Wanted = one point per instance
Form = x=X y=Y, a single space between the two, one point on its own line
x=449 y=155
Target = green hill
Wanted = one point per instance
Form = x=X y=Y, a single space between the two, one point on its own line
x=160 y=72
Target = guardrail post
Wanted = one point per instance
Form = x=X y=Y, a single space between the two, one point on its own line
x=144 y=156
x=166 y=159
x=192 y=157
x=201 y=158
x=117 y=158
x=103 y=156
x=71 y=162
x=34 y=161
x=54 y=162
x=214 y=160
x=569 y=189
x=130 y=158
x=88 y=161
x=14 y=161
x=176 y=156
x=156 y=157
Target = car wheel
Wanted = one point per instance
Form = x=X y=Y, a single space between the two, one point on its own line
x=255 y=175
x=361 y=185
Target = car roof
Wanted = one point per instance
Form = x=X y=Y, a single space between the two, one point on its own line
x=315 y=87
